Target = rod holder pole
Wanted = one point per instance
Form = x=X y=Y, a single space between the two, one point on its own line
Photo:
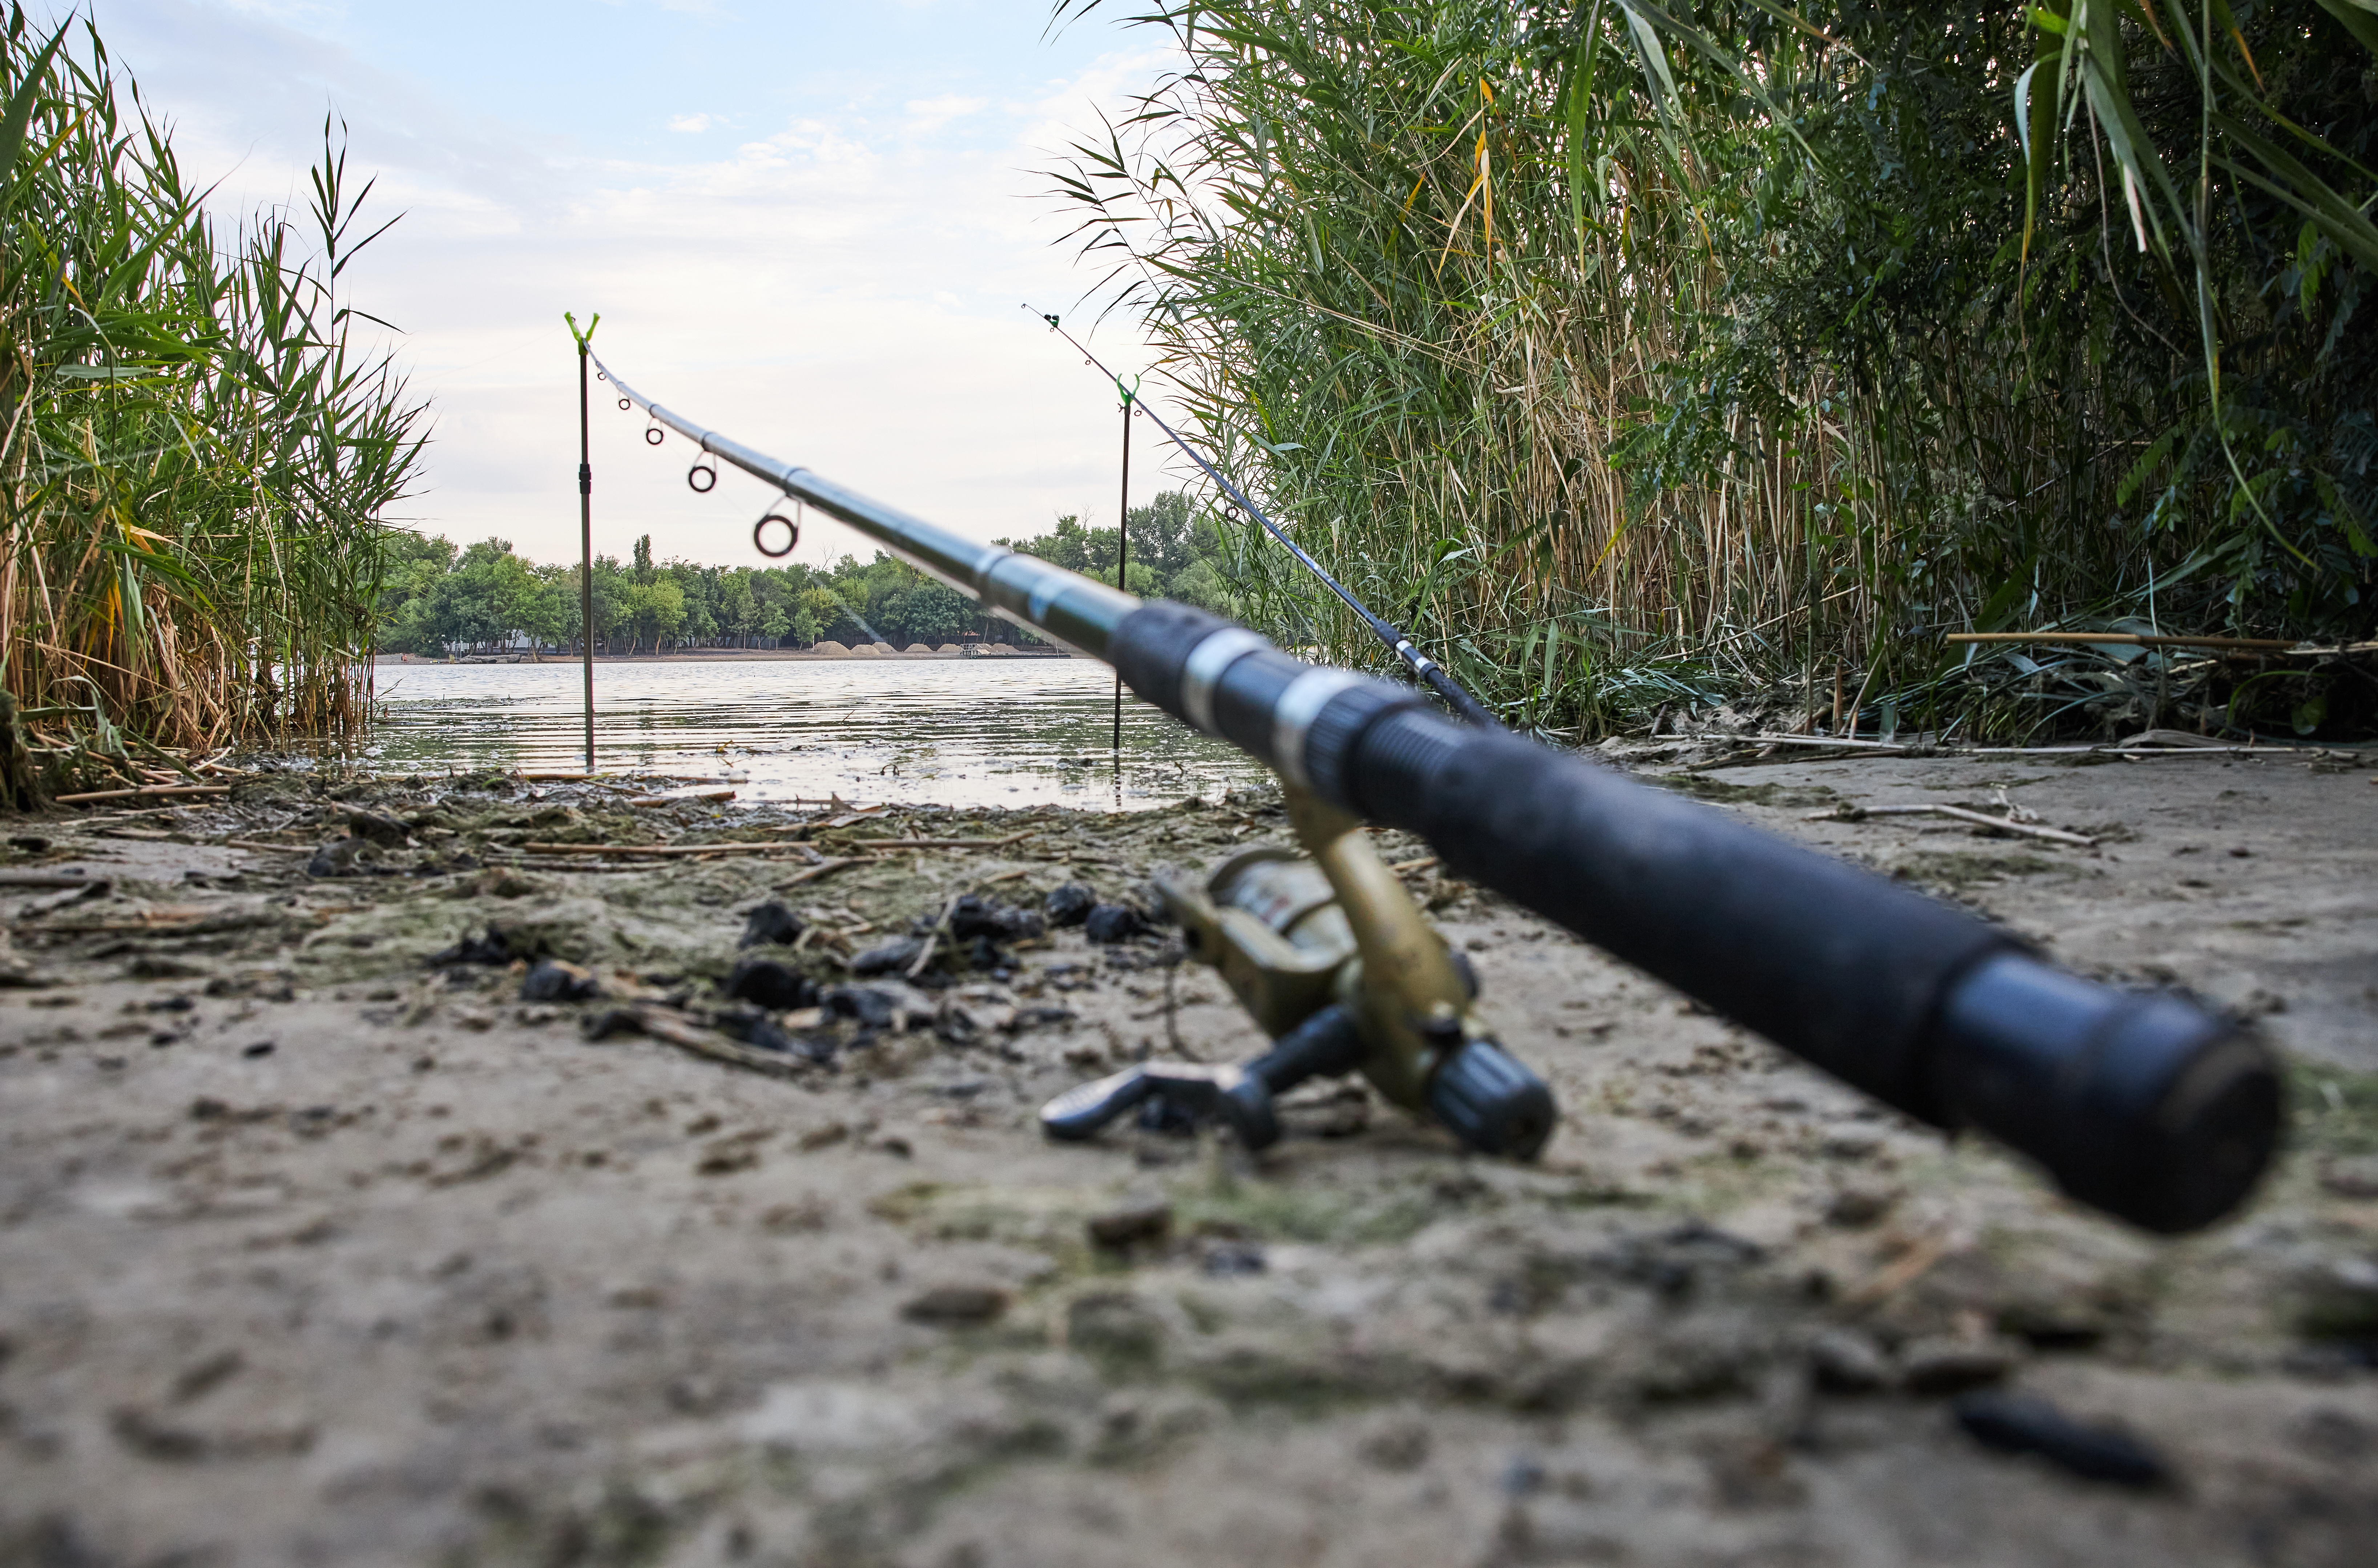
x=586 y=554
x=1122 y=564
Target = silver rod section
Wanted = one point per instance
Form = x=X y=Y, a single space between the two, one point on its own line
x=1068 y=608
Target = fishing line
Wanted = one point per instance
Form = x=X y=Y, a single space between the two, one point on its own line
x=1423 y=668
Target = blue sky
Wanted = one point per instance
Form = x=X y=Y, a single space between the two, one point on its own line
x=809 y=225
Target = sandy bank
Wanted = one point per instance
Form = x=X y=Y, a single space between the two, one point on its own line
x=315 y=1247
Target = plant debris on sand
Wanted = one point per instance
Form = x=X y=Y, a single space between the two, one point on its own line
x=390 y=1174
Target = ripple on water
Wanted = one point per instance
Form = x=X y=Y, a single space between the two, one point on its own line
x=948 y=732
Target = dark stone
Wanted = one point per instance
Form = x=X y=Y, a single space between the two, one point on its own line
x=553 y=980
x=947 y=1306
x=1952 y=1366
x=1123 y=1227
x=1225 y=1259
x=1845 y=1361
x=891 y=956
x=1113 y=923
x=776 y=986
x=762 y=1032
x=972 y=917
x=2025 y=1423
x=1070 y=905
x=612 y=1021
x=771 y=924
x=383 y=830
x=873 y=1009
x=336 y=858
x=493 y=948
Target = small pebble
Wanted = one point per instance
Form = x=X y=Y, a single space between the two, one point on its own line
x=1952 y=1365
x=1844 y=1361
x=1225 y=1260
x=2025 y=1423
x=1123 y=1227
x=956 y=1306
x=1855 y=1208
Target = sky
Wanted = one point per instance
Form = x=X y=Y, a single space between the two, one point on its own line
x=808 y=226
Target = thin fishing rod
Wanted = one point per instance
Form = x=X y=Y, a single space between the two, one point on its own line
x=1423 y=668
x=2143 y=1103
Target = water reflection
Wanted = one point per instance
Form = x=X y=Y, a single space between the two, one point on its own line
x=949 y=732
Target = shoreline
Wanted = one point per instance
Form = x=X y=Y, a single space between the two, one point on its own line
x=723 y=655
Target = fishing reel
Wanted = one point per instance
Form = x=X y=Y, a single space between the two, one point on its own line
x=1331 y=958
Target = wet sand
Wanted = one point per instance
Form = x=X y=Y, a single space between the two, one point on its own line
x=314 y=1249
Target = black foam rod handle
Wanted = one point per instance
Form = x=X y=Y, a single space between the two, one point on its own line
x=2145 y=1105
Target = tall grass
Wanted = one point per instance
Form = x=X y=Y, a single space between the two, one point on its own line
x=194 y=455
x=1646 y=355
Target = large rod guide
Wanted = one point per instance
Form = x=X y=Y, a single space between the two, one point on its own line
x=2144 y=1104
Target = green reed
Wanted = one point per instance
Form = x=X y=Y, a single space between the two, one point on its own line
x=1645 y=356
x=193 y=454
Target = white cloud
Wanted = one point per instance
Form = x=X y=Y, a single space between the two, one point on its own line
x=841 y=291
x=929 y=115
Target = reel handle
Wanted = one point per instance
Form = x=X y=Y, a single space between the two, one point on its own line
x=1226 y=1094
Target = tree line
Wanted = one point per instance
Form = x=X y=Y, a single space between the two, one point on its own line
x=441 y=599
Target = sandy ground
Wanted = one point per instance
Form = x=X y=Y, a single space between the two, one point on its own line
x=312 y=1251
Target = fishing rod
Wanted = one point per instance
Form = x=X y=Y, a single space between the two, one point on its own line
x=2144 y=1105
x=1423 y=668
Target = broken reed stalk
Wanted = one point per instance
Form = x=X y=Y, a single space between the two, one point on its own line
x=146 y=791
x=2132 y=638
x=737 y=846
x=197 y=454
x=1957 y=813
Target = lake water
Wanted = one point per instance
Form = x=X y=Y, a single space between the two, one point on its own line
x=1008 y=731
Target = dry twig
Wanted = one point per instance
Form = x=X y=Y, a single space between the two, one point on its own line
x=2001 y=824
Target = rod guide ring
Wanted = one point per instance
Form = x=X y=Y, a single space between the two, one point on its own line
x=760 y=534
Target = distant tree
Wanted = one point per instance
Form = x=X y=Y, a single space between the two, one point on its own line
x=738 y=607
x=936 y=613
